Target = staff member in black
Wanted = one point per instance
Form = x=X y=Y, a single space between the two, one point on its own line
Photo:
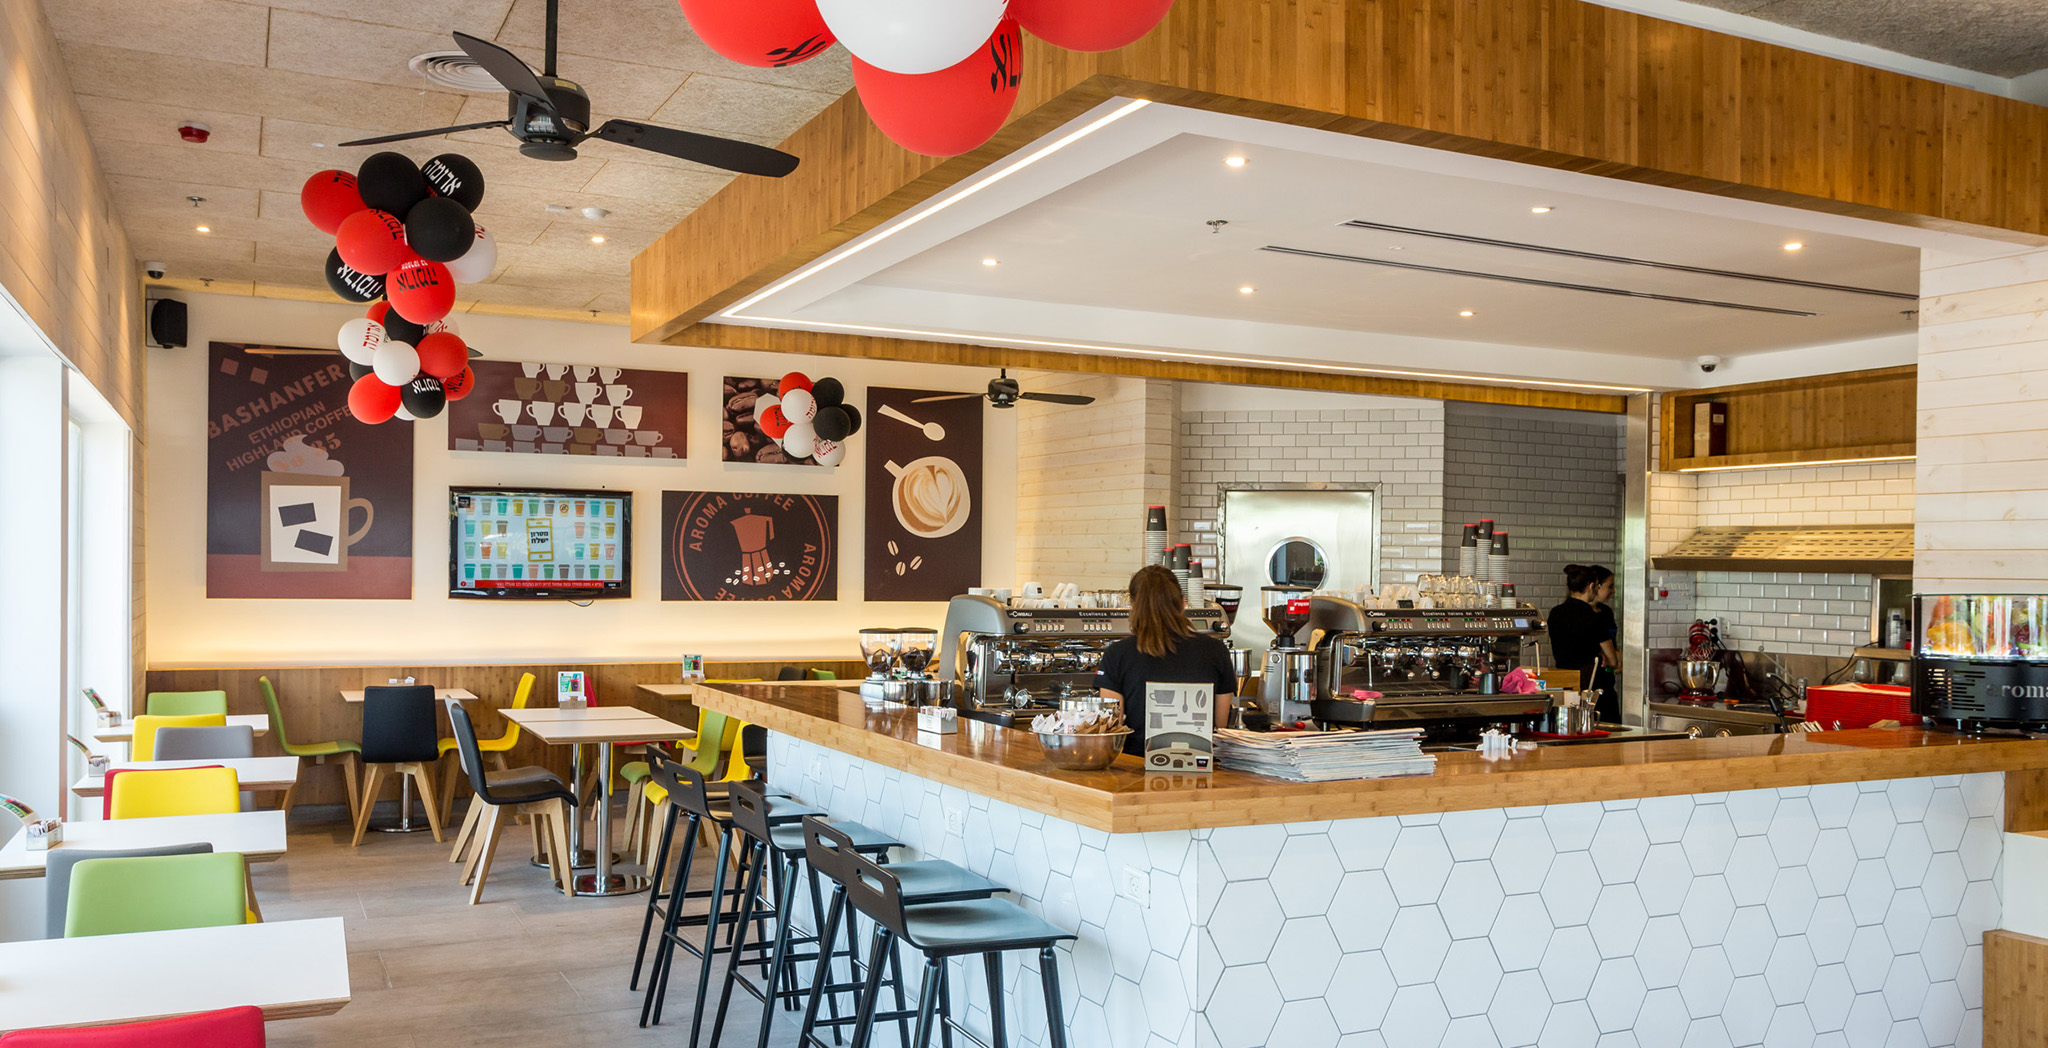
x=1163 y=647
x=1582 y=630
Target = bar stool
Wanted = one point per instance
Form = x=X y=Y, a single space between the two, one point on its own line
x=943 y=930
x=783 y=845
x=827 y=851
x=688 y=799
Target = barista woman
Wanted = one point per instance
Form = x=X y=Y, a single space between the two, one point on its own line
x=1163 y=647
x=1582 y=632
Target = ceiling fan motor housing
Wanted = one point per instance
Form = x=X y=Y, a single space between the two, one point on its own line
x=551 y=134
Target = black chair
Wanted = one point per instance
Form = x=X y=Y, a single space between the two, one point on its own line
x=532 y=791
x=399 y=739
x=57 y=875
x=788 y=673
x=209 y=743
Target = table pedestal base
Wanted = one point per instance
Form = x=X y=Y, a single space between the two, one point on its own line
x=616 y=884
x=404 y=823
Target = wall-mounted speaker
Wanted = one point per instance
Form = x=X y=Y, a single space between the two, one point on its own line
x=166 y=323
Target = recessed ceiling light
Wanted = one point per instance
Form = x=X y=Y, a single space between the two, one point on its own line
x=206 y=229
x=319 y=145
x=1464 y=312
x=597 y=239
x=991 y=262
x=1794 y=245
x=1246 y=290
x=1540 y=209
x=1233 y=161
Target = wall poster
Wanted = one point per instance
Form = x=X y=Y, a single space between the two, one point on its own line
x=302 y=501
x=729 y=545
x=740 y=437
x=572 y=409
x=923 y=494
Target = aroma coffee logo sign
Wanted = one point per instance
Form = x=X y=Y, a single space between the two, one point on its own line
x=749 y=546
x=2023 y=691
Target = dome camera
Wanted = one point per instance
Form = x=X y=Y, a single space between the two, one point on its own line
x=156 y=270
x=1708 y=364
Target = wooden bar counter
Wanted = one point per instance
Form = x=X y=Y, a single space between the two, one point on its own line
x=1008 y=765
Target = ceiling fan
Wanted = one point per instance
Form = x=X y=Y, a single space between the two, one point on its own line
x=550 y=117
x=1003 y=393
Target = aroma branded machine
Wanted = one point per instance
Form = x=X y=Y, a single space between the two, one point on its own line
x=1981 y=661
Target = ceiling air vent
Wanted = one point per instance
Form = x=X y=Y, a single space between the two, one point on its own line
x=455 y=69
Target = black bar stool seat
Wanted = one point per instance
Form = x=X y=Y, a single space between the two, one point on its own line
x=788 y=839
x=947 y=929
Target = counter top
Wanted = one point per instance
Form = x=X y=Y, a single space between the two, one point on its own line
x=1009 y=765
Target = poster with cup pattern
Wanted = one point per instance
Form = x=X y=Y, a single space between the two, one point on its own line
x=923 y=493
x=572 y=409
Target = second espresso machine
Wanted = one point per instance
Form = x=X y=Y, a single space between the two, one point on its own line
x=1011 y=664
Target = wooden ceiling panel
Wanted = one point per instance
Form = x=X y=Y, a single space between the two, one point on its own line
x=185 y=80
x=119 y=120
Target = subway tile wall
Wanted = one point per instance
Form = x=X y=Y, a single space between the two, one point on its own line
x=1398 y=450
x=1788 y=613
x=1873 y=493
x=1551 y=479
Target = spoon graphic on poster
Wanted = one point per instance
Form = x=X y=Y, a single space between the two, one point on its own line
x=932 y=430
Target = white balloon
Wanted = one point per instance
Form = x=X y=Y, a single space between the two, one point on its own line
x=359 y=339
x=801 y=441
x=830 y=452
x=762 y=405
x=475 y=265
x=912 y=36
x=800 y=406
x=403 y=415
x=396 y=363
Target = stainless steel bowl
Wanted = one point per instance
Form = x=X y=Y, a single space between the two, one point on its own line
x=1701 y=675
x=1083 y=752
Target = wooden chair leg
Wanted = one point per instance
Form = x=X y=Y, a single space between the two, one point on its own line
x=423 y=774
x=540 y=838
x=284 y=803
x=477 y=841
x=489 y=849
x=448 y=777
x=634 y=825
x=563 y=862
x=468 y=831
x=351 y=764
x=373 y=778
x=249 y=888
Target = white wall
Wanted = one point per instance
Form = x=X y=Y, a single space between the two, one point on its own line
x=188 y=629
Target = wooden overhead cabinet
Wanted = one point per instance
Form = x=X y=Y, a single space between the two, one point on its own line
x=1853 y=416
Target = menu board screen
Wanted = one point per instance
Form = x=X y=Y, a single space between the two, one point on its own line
x=539 y=543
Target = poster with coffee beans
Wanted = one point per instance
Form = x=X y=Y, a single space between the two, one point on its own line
x=572 y=409
x=731 y=545
x=741 y=439
x=923 y=494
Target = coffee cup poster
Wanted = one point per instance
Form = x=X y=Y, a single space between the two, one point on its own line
x=572 y=409
x=731 y=545
x=923 y=494
x=302 y=501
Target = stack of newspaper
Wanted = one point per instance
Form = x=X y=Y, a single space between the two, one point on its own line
x=1322 y=756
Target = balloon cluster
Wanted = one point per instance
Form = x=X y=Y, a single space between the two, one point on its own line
x=809 y=419
x=937 y=76
x=403 y=238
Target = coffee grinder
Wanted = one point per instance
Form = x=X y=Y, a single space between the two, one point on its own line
x=1227 y=598
x=1287 y=682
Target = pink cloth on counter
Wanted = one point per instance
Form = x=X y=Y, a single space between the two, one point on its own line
x=1519 y=682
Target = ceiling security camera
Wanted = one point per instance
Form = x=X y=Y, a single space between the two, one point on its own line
x=1708 y=364
x=155 y=270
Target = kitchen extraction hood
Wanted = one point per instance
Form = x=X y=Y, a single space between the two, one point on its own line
x=1876 y=549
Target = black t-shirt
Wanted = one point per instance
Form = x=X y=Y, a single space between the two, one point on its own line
x=1576 y=630
x=1200 y=659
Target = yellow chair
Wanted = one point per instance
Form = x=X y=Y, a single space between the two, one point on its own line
x=144 y=746
x=496 y=748
x=142 y=794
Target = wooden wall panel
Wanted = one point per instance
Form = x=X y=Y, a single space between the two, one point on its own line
x=2015 y=1009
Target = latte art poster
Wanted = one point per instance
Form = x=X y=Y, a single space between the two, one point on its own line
x=923 y=494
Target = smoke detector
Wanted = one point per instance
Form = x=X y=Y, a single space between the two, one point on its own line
x=454 y=69
x=194 y=131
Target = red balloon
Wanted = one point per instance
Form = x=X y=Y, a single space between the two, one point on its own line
x=378 y=309
x=774 y=422
x=760 y=32
x=1089 y=25
x=443 y=354
x=373 y=242
x=951 y=111
x=460 y=384
x=328 y=197
x=371 y=400
x=422 y=292
x=793 y=380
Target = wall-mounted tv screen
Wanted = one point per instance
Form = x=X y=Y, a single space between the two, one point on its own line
x=539 y=543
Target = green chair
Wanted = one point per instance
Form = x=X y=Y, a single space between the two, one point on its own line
x=345 y=751
x=818 y=674
x=185 y=703
x=155 y=894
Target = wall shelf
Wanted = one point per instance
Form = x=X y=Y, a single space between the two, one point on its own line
x=1854 y=415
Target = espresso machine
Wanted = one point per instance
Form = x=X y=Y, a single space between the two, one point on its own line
x=1435 y=668
x=1010 y=664
x=1287 y=678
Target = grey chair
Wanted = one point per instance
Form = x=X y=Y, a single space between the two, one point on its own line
x=191 y=744
x=57 y=875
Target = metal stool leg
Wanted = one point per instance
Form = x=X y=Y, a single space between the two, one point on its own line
x=665 y=946
x=828 y=931
x=864 y=1008
x=928 y=990
x=654 y=892
x=750 y=882
x=945 y=1014
x=779 y=960
x=992 y=964
x=1055 y=1021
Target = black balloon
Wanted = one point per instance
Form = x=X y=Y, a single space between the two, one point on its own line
x=350 y=284
x=399 y=329
x=852 y=418
x=439 y=229
x=452 y=175
x=390 y=182
x=832 y=423
x=423 y=396
x=356 y=371
x=830 y=393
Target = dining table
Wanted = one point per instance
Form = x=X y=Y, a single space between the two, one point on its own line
x=597 y=727
x=258 y=835
x=290 y=969
x=671 y=692
x=254 y=774
x=125 y=731
x=440 y=694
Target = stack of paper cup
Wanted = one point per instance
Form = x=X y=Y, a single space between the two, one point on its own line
x=1155 y=535
x=1468 y=552
x=1197 y=595
x=1178 y=558
x=1497 y=558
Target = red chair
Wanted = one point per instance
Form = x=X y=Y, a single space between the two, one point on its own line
x=107 y=787
x=240 y=1027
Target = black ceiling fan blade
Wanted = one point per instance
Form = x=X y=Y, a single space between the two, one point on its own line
x=1058 y=398
x=425 y=134
x=949 y=396
x=743 y=157
x=505 y=67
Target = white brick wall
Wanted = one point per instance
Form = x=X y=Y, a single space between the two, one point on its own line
x=1871 y=493
x=1400 y=450
x=1551 y=479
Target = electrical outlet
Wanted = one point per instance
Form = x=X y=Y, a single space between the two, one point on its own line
x=1135 y=885
x=817 y=768
x=956 y=822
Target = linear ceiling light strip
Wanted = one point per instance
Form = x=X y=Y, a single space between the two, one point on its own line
x=1624 y=260
x=1534 y=282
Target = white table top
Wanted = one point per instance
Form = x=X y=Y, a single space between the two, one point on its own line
x=604 y=724
x=290 y=969
x=440 y=694
x=125 y=731
x=252 y=773
x=259 y=835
